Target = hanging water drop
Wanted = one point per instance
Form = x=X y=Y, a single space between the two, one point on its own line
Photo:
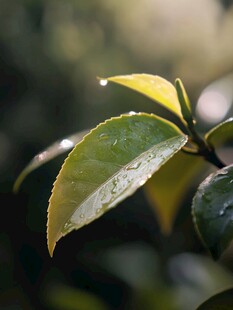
x=134 y=166
x=103 y=82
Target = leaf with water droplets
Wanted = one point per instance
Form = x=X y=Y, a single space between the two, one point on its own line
x=57 y=148
x=152 y=86
x=221 y=134
x=213 y=211
x=168 y=188
x=110 y=164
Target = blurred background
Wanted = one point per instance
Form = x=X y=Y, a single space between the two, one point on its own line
x=50 y=55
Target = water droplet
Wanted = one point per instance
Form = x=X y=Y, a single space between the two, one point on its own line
x=103 y=82
x=81 y=216
x=221 y=212
x=124 y=176
x=132 y=113
x=134 y=166
x=66 y=144
x=103 y=136
x=142 y=182
x=67 y=227
x=98 y=211
x=115 y=142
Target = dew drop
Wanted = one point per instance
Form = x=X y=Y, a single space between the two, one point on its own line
x=132 y=113
x=115 y=142
x=67 y=227
x=81 y=216
x=142 y=182
x=103 y=136
x=98 y=211
x=221 y=212
x=103 y=82
x=134 y=166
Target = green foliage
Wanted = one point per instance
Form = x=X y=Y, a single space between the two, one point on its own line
x=120 y=155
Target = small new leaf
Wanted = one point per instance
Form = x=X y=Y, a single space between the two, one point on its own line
x=184 y=102
x=167 y=189
x=152 y=86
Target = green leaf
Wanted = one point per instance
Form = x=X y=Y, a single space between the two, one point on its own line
x=220 y=301
x=177 y=182
x=57 y=148
x=184 y=102
x=213 y=211
x=220 y=134
x=110 y=164
x=152 y=86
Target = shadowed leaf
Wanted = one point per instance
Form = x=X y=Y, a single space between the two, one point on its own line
x=57 y=148
x=167 y=189
x=213 y=210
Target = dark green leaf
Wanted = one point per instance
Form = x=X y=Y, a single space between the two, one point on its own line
x=213 y=210
x=220 y=301
x=57 y=148
x=110 y=164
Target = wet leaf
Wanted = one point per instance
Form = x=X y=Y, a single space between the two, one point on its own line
x=220 y=301
x=213 y=211
x=110 y=164
x=152 y=86
x=176 y=177
x=56 y=149
x=221 y=134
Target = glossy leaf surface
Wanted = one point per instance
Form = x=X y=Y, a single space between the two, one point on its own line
x=220 y=301
x=152 y=86
x=110 y=164
x=176 y=177
x=221 y=133
x=213 y=210
x=56 y=149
